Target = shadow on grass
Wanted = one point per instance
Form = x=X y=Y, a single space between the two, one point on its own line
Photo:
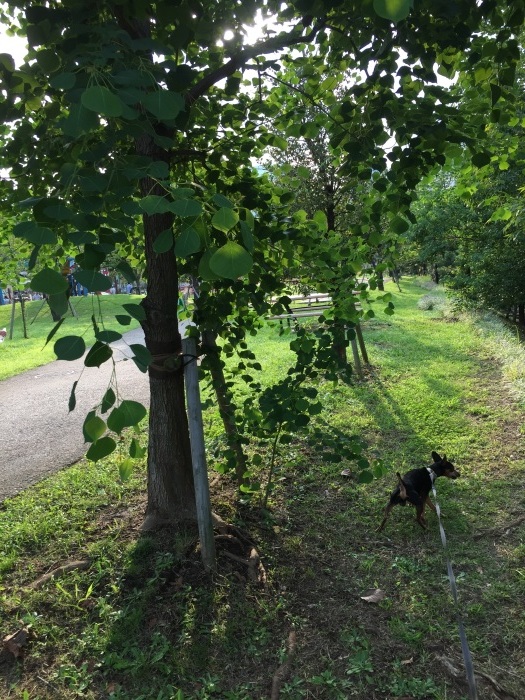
x=179 y=628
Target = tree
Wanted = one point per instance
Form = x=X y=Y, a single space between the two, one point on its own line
x=127 y=110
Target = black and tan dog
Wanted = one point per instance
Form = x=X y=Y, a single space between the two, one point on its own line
x=415 y=486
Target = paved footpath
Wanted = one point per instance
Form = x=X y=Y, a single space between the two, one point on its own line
x=38 y=435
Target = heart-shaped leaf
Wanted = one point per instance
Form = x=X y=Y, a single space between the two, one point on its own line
x=101 y=448
x=94 y=428
x=93 y=281
x=70 y=347
x=49 y=281
x=99 y=353
x=163 y=104
x=225 y=219
x=163 y=242
x=32 y=232
x=186 y=207
x=394 y=10
x=101 y=100
x=231 y=261
x=187 y=243
x=129 y=413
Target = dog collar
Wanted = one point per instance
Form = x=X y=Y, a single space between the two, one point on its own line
x=432 y=474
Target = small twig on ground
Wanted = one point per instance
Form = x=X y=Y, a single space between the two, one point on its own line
x=499 y=530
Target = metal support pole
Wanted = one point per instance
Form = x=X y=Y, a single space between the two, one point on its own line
x=198 y=454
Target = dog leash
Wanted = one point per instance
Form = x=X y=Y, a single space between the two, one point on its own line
x=467 y=656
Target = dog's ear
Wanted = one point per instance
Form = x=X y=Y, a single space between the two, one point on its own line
x=436 y=457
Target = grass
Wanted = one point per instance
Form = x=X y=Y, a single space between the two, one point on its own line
x=20 y=354
x=144 y=622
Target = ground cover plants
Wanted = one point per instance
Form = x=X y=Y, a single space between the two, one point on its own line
x=140 y=620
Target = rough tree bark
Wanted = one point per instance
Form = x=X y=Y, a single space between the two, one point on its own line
x=171 y=495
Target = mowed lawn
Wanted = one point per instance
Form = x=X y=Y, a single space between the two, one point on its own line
x=140 y=620
x=18 y=354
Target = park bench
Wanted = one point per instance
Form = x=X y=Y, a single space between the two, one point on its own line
x=313 y=305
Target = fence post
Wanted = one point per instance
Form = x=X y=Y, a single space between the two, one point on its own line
x=198 y=454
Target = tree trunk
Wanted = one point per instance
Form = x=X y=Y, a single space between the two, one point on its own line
x=380 y=282
x=521 y=314
x=171 y=495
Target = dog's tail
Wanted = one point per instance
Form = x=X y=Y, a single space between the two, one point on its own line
x=402 y=487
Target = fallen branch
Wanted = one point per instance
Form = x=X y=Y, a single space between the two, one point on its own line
x=59 y=571
x=499 y=530
x=283 y=671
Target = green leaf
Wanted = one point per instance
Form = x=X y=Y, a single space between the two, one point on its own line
x=321 y=221
x=163 y=242
x=187 y=243
x=53 y=331
x=163 y=104
x=101 y=100
x=123 y=320
x=129 y=413
x=48 y=60
x=108 y=336
x=125 y=268
x=231 y=261
x=394 y=10
x=72 y=397
x=98 y=354
x=63 y=81
x=365 y=477
x=154 y=204
x=136 y=311
x=93 y=281
x=143 y=357
x=125 y=469
x=70 y=347
x=204 y=269
x=108 y=400
x=58 y=303
x=225 y=219
x=399 y=225
x=186 y=207
x=101 y=448
x=135 y=449
x=94 y=428
x=247 y=236
x=222 y=201
x=79 y=121
x=32 y=232
x=49 y=281
x=501 y=214
x=7 y=62
x=480 y=159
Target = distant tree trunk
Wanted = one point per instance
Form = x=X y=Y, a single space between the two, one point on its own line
x=521 y=314
x=435 y=274
x=380 y=282
x=171 y=496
